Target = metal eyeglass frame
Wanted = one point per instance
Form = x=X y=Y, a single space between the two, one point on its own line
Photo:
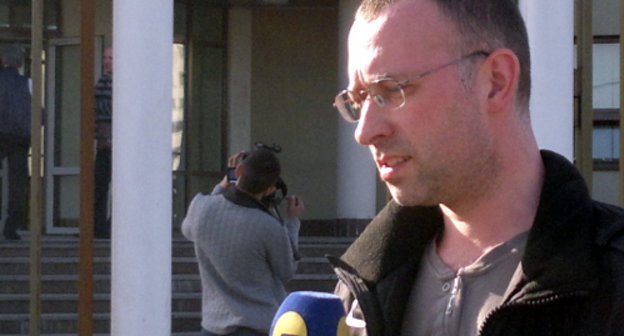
x=346 y=105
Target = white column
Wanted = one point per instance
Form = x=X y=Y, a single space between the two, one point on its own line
x=356 y=178
x=142 y=102
x=550 y=26
x=239 y=86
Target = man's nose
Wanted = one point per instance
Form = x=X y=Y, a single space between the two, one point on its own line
x=372 y=125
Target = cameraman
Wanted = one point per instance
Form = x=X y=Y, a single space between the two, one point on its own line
x=245 y=254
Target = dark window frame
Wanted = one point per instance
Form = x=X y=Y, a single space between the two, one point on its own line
x=606 y=117
x=24 y=33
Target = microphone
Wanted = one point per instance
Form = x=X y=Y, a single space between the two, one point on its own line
x=307 y=313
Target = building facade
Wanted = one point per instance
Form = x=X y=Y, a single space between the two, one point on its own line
x=247 y=71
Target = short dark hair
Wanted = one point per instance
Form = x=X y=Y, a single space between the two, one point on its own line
x=260 y=170
x=13 y=56
x=481 y=25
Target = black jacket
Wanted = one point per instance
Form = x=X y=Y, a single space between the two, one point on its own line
x=14 y=105
x=573 y=267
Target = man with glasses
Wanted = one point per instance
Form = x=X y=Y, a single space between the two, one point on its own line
x=485 y=233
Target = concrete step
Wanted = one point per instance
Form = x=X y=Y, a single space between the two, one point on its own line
x=102 y=265
x=181 y=283
x=173 y=333
x=186 y=315
x=59 y=283
x=59 y=311
x=68 y=303
x=67 y=323
x=68 y=246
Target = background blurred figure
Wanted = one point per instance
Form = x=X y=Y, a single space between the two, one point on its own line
x=15 y=135
x=103 y=137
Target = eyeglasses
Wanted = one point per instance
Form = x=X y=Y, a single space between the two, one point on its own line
x=385 y=91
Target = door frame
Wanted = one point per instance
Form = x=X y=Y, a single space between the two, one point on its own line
x=51 y=170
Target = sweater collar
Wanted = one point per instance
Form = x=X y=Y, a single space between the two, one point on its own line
x=239 y=197
x=558 y=252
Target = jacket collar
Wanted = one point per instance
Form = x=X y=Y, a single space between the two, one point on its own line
x=11 y=70
x=239 y=197
x=559 y=252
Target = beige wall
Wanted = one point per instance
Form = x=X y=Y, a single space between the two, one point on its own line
x=294 y=62
x=293 y=81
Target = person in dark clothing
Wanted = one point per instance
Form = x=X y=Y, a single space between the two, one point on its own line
x=485 y=234
x=15 y=136
x=103 y=137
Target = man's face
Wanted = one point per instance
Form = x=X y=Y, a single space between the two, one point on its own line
x=437 y=147
x=107 y=61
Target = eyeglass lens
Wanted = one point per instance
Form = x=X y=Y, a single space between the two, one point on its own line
x=383 y=92
x=347 y=106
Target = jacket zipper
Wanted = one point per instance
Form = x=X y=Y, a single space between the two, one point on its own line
x=359 y=290
x=349 y=280
x=543 y=301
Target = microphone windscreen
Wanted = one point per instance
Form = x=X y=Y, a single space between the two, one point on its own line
x=308 y=313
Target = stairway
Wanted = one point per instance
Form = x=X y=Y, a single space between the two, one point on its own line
x=59 y=298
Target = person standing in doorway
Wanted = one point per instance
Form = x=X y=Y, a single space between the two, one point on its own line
x=103 y=137
x=15 y=135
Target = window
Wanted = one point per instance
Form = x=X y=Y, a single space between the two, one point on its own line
x=606 y=101
x=199 y=153
x=15 y=18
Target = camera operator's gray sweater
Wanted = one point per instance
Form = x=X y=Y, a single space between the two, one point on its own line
x=245 y=257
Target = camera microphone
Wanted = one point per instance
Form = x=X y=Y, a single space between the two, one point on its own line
x=309 y=313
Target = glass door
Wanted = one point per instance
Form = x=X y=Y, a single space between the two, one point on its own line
x=62 y=163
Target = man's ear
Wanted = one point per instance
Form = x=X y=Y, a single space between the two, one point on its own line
x=238 y=170
x=503 y=72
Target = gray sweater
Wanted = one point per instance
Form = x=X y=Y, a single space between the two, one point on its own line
x=245 y=257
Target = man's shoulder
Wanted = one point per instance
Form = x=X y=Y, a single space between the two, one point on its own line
x=609 y=220
x=10 y=74
x=205 y=198
x=214 y=201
